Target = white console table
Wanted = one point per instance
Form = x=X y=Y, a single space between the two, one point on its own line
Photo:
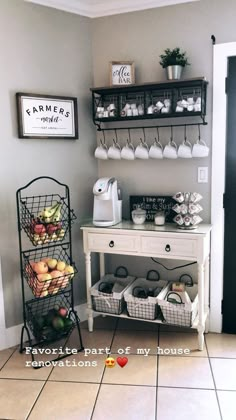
x=148 y=240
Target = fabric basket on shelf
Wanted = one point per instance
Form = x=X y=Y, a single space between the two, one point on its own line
x=175 y=308
x=141 y=296
x=108 y=293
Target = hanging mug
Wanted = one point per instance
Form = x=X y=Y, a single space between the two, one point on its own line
x=114 y=151
x=101 y=151
x=142 y=151
x=156 y=150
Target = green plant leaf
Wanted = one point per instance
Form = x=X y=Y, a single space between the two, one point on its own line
x=173 y=57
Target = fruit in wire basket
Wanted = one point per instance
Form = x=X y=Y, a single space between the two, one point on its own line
x=54 y=322
x=47 y=214
x=56 y=274
x=62 y=311
x=39 y=228
x=51 y=228
x=40 y=267
x=69 y=270
x=67 y=323
x=61 y=265
x=58 y=323
x=52 y=262
x=45 y=277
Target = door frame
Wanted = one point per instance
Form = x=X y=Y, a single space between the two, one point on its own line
x=221 y=52
x=2 y=315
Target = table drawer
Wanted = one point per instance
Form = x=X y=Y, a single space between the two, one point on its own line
x=112 y=243
x=169 y=246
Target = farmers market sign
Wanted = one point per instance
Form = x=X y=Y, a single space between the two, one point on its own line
x=46 y=116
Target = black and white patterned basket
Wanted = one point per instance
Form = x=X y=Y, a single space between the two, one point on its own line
x=182 y=313
x=112 y=303
x=144 y=308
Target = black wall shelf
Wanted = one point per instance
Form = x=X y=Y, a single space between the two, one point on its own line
x=150 y=101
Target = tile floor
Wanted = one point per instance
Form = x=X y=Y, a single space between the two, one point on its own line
x=193 y=386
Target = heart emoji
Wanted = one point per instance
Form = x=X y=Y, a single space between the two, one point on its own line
x=122 y=361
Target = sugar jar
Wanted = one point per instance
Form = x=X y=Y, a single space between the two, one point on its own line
x=159 y=218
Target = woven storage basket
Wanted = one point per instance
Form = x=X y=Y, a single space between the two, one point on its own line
x=112 y=303
x=182 y=314
x=144 y=308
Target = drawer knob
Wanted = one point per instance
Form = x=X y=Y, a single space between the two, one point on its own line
x=167 y=248
x=111 y=244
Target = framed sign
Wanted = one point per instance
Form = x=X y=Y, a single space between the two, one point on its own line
x=152 y=204
x=122 y=73
x=46 y=116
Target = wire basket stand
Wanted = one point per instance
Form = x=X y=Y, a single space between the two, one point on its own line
x=50 y=238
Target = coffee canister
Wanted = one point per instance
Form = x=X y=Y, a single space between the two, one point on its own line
x=159 y=218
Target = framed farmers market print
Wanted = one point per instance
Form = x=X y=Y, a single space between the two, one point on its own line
x=46 y=116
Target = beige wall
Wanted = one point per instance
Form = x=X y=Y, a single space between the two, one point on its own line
x=142 y=37
x=43 y=51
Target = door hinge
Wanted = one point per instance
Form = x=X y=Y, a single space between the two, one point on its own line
x=226 y=84
x=222 y=306
x=224 y=201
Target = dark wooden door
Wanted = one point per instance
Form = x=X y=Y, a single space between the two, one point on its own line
x=229 y=290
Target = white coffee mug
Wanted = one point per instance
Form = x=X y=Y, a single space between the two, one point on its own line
x=140 y=110
x=101 y=151
x=179 y=108
x=190 y=108
x=156 y=150
x=197 y=107
x=114 y=151
x=127 y=151
x=159 y=105
x=184 y=103
x=167 y=103
x=185 y=150
x=190 y=101
x=111 y=107
x=142 y=151
x=150 y=109
x=129 y=112
x=165 y=110
x=200 y=149
x=127 y=106
x=170 y=150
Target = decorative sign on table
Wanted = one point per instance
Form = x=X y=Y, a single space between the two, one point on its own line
x=152 y=204
x=121 y=73
x=47 y=116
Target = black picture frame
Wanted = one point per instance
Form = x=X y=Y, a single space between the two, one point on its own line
x=47 y=116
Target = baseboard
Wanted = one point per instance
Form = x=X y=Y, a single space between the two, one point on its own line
x=10 y=337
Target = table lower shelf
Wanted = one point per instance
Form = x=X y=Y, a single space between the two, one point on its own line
x=125 y=315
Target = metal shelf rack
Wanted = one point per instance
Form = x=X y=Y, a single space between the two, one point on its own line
x=51 y=294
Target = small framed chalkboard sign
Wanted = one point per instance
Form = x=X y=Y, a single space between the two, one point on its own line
x=152 y=204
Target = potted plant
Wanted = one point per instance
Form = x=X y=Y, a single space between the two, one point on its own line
x=174 y=61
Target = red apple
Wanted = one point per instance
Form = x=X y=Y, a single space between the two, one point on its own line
x=51 y=228
x=62 y=311
x=39 y=228
x=40 y=267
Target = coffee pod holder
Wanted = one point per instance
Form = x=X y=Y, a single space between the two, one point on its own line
x=187 y=209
